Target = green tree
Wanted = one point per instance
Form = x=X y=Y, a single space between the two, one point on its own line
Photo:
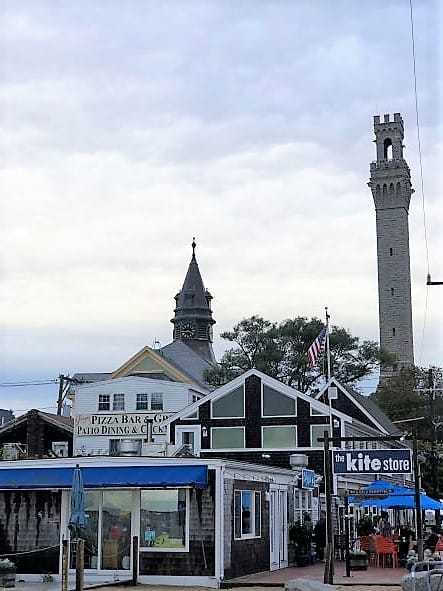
x=280 y=350
x=406 y=396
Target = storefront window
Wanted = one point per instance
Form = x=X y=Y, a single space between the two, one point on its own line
x=116 y=529
x=247 y=514
x=163 y=519
x=92 y=510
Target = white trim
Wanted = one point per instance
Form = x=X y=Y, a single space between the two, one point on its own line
x=149 y=549
x=225 y=428
x=196 y=429
x=226 y=394
x=263 y=416
x=179 y=581
x=219 y=536
x=236 y=382
x=326 y=427
x=254 y=535
x=333 y=381
x=263 y=427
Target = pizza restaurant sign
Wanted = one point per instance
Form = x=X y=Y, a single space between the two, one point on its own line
x=103 y=425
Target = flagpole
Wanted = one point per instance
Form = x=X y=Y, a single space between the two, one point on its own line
x=328 y=352
x=328 y=359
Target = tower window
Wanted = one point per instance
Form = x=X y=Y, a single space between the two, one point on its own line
x=391 y=252
x=393 y=332
x=387 y=149
x=392 y=291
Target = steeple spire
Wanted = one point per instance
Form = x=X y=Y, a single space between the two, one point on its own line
x=193 y=315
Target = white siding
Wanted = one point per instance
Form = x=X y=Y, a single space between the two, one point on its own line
x=175 y=397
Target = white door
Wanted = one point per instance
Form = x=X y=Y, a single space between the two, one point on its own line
x=278 y=528
x=189 y=436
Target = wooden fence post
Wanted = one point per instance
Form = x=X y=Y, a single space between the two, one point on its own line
x=80 y=565
x=134 y=560
x=64 y=565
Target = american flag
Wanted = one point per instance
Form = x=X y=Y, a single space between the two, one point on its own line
x=317 y=347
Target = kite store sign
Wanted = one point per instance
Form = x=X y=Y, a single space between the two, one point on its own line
x=377 y=461
x=102 y=425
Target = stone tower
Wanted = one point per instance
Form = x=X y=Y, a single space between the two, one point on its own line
x=390 y=183
x=193 y=315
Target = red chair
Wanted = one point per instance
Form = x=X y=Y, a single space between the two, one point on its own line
x=385 y=551
x=439 y=545
x=367 y=545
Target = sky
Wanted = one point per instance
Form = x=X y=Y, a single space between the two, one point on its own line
x=128 y=128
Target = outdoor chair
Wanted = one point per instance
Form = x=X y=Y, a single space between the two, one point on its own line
x=439 y=545
x=367 y=545
x=385 y=551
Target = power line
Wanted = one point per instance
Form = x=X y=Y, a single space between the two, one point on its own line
x=418 y=134
x=417 y=119
x=24 y=384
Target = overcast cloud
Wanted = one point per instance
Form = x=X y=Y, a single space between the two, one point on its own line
x=127 y=128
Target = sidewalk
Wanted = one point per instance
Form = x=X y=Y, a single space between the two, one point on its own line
x=315 y=572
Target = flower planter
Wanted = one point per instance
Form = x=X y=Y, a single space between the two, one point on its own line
x=358 y=561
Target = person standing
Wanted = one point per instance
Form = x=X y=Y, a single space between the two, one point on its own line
x=320 y=536
x=383 y=525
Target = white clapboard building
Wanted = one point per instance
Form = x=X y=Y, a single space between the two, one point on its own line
x=123 y=416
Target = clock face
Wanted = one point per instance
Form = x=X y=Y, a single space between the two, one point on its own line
x=187 y=330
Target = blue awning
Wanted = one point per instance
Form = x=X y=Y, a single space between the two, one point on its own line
x=105 y=477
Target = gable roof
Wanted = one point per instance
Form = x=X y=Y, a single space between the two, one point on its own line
x=64 y=423
x=368 y=407
x=185 y=358
x=267 y=380
x=146 y=353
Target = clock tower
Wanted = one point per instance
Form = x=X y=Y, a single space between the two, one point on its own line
x=193 y=315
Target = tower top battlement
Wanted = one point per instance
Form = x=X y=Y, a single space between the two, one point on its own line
x=387 y=119
x=389 y=135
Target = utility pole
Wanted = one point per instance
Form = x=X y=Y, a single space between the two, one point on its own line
x=63 y=387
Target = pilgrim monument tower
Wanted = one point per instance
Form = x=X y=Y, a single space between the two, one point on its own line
x=390 y=183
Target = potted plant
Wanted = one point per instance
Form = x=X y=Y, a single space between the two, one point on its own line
x=300 y=535
x=365 y=526
x=7 y=573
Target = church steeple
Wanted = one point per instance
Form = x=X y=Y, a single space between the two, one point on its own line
x=193 y=315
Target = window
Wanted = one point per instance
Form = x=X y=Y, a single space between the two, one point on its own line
x=156 y=401
x=393 y=332
x=391 y=252
x=194 y=415
x=247 y=514
x=142 y=402
x=104 y=402
x=276 y=404
x=279 y=437
x=317 y=432
x=392 y=291
x=163 y=520
x=227 y=437
x=315 y=412
x=119 y=402
x=230 y=405
x=114 y=447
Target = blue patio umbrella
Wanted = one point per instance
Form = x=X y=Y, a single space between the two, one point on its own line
x=403 y=501
x=380 y=485
x=77 y=518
